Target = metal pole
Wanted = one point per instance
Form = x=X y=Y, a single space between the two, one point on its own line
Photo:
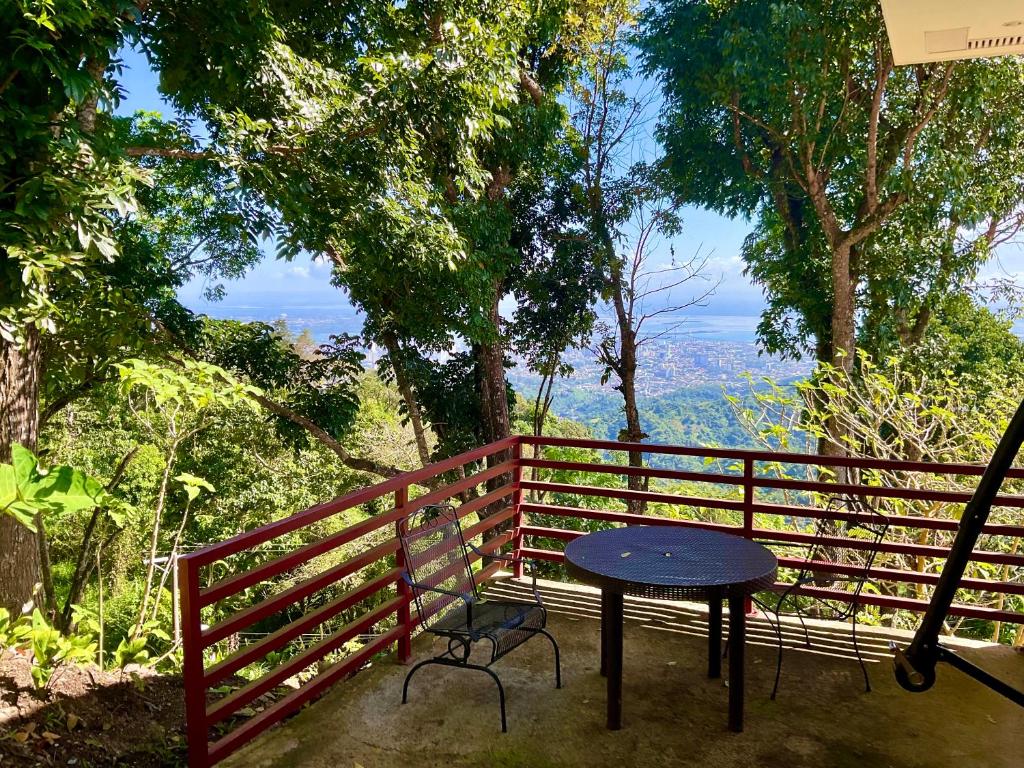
x=915 y=667
x=517 y=515
x=403 y=614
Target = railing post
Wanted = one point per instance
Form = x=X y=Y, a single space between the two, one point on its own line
x=404 y=614
x=748 y=498
x=517 y=504
x=748 y=514
x=192 y=667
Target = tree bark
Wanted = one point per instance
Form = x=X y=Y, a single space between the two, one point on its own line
x=408 y=395
x=490 y=357
x=19 y=423
x=626 y=370
x=843 y=347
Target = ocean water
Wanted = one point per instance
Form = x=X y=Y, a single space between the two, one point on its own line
x=325 y=320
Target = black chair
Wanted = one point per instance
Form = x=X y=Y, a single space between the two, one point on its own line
x=449 y=605
x=834 y=565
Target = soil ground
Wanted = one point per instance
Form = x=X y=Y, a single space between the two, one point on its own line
x=90 y=719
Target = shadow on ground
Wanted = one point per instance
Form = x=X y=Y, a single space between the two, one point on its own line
x=673 y=714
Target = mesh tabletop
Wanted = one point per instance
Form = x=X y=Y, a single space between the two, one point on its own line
x=670 y=563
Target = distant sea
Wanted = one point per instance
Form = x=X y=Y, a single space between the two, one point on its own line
x=324 y=320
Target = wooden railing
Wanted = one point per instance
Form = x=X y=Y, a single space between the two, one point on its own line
x=506 y=470
x=199 y=591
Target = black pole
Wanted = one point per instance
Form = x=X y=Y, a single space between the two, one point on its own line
x=915 y=667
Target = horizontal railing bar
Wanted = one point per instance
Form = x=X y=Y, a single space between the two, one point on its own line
x=531 y=553
x=903 y=576
x=231 y=703
x=913 y=604
x=920 y=550
x=287 y=562
x=617 y=469
x=250 y=653
x=849 y=489
x=293 y=701
x=901 y=521
x=486 y=500
x=550 y=533
x=491 y=521
x=619 y=493
x=625 y=517
x=464 y=484
x=275 y=603
x=884 y=601
x=884 y=574
x=773 y=457
x=257 y=536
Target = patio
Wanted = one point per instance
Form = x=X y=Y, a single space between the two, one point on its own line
x=673 y=714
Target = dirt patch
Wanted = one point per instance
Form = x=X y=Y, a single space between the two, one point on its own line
x=90 y=718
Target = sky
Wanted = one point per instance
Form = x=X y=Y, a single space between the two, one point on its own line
x=305 y=283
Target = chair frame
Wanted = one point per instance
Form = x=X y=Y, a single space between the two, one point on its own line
x=877 y=526
x=463 y=638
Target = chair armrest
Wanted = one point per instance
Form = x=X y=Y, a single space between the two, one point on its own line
x=466 y=597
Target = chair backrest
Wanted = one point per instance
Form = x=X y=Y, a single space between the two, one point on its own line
x=861 y=521
x=436 y=558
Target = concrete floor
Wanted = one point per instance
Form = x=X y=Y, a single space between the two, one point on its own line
x=673 y=714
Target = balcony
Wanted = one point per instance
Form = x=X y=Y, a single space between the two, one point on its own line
x=674 y=714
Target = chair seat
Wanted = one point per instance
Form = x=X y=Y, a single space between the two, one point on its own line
x=507 y=624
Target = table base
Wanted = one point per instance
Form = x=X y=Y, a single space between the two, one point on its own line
x=612 y=650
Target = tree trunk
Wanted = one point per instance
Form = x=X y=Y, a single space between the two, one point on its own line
x=843 y=320
x=843 y=347
x=19 y=423
x=490 y=357
x=626 y=370
x=408 y=395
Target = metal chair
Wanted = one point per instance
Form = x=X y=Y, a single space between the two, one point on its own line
x=835 y=565
x=449 y=605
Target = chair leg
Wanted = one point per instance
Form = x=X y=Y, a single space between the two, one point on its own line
x=807 y=635
x=408 y=677
x=558 y=662
x=447 y=663
x=501 y=692
x=856 y=649
x=778 y=663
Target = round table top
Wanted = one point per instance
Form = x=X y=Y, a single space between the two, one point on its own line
x=670 y=562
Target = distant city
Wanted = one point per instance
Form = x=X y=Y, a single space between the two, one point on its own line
x=666 y=365
x=694 y=352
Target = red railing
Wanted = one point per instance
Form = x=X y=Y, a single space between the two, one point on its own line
x=501 y=466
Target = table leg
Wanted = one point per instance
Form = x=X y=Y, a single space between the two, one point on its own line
x=604 y=632
x=737 y=648
x=613 y=625
x=715 y=634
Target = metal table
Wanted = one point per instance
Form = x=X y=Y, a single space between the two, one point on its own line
x=672 y=563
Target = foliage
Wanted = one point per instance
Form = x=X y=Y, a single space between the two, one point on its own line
x=27 y=490
x=878 y=190
x=59 y=178
x=320 y=386
x=893 y=411
x=49 y=648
